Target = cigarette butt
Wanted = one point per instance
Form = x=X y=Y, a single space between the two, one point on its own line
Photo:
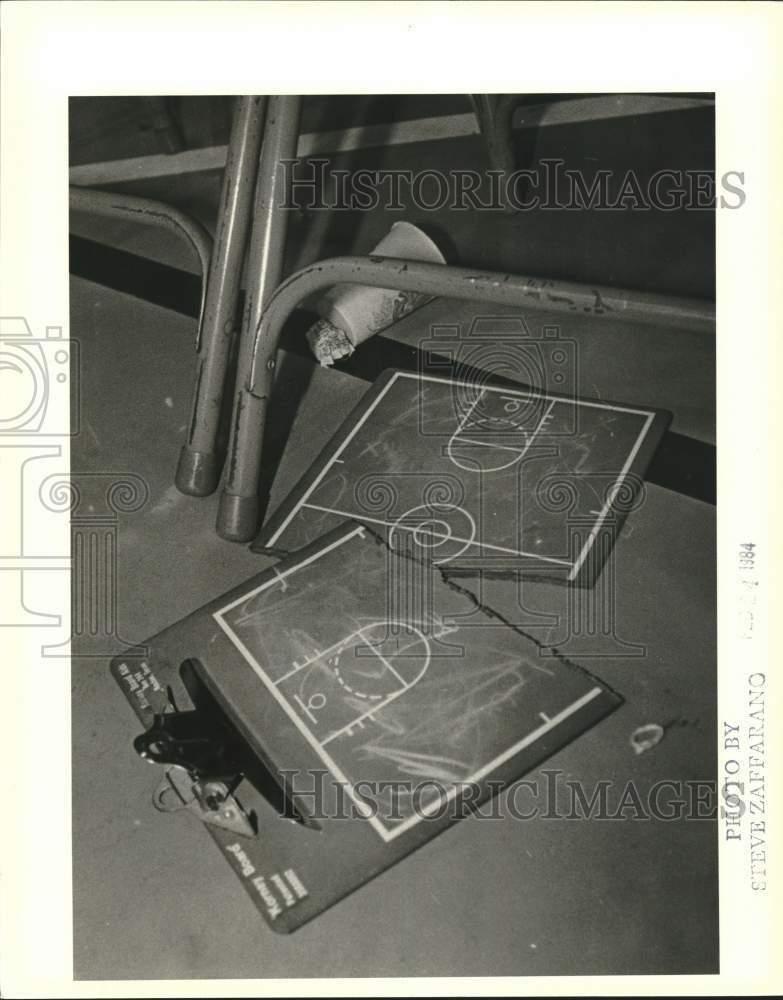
x=351 y=314
x=328 y=343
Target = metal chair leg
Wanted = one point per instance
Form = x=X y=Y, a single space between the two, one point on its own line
x=238 y=522
x=198 y=471
x=165 y=124
x=493 y=113
x=239 y=506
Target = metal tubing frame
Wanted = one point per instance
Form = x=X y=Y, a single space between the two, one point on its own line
x=434 y=280
x=238 y=508
x=151 y=212
x=198 y=470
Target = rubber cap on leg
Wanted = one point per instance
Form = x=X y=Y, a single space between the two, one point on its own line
x=198 y=472
x=237 y=519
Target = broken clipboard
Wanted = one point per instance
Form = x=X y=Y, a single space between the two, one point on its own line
x=335 y=712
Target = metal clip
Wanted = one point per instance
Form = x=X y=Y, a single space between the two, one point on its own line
x=185 y=739
x=211 y=801
x=203 y=764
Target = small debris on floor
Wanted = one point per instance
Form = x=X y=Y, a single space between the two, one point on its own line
x=646 y=737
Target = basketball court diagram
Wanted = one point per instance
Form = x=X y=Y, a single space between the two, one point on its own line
x=479 y=475
x=381 y=700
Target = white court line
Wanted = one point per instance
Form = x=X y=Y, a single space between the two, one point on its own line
x=388 y=665
x=488 y=444
x=315 y=658
x=525 y=394
x=398 y=523
x=500 y=759
x=351 y=435
x=377 y=708
x=470 y=410
x=342 y=644
x=405 y=686
x=541 y=423
x=280 y=576
x=360 y=718
x=517 y=430
x=339 y=647
x=610 y=499
x=435 y=534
